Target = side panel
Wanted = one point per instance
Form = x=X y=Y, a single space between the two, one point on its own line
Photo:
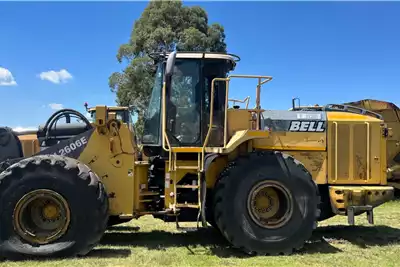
x=315 y=162
x=238 y=119
x=391 y=116
x=355 y=145
x=293 y=130
x=72 y=147
x=30 y=144
x=114 y=165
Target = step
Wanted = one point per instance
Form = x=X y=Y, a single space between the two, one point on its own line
x=187 y=167
x=192 y=205
x=187 y=229
x=187 y=149
x=188 y=186
x=147 y=193
x=145 y=200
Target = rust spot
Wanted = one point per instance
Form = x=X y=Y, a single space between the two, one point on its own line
x=316 y=159
x=360 y=168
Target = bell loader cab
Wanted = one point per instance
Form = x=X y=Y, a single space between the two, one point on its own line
x=185 y=100
x=263 y=178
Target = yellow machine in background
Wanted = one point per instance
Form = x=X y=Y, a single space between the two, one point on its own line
x=264 y=178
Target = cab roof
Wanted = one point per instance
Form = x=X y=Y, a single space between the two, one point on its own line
x=198 y=55
x=110 y=108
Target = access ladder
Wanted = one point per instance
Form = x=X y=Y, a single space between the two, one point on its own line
x=174 y=166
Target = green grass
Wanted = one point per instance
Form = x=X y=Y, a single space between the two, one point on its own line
x=159 y=244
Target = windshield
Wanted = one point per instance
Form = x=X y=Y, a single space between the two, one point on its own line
x=183 y=106
x=152 y=125
x=119 y=115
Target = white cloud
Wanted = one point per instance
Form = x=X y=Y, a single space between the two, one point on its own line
x=6 y=77
x=21 y=129
x=56 y=77
x=56 y=106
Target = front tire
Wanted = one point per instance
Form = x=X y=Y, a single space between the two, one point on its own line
x=50 y=206
x=266 y=204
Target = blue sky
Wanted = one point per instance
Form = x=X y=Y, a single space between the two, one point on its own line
x=321 y=52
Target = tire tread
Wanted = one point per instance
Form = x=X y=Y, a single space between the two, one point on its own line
x=221 y=184
x=64 y=164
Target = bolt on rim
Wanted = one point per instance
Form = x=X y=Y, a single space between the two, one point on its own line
x=270 y=204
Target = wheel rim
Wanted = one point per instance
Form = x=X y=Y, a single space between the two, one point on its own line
x=41 y=216
x=270 y=204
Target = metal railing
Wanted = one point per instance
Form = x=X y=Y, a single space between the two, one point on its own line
x=246 y=100
x=261 y=80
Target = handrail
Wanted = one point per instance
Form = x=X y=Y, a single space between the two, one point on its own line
x=212 y=108
x=163 y=112
x=164 y=130
x=226 y=80
x=258 y=91
x=353 y=109
x=247 y=100
x=261 y=80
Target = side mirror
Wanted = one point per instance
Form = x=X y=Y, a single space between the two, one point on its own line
x=170 y=64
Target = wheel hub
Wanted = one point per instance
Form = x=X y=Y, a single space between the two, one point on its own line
x=50 y=212
x=270 y=204
x=41 y=216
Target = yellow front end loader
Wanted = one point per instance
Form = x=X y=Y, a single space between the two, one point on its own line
x=264 y=178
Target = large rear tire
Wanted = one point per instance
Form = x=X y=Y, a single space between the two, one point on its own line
x=266 y=204
x=50 y=206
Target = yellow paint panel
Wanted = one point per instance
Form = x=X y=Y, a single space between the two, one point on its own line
x=30 y=144
x=391 y=116
x=345 y=116
x=238 y=119
x=258 y=134
x=355 y=152
x=290 y=148
x=116 y=170
x=292 y=141
x=239 y=138
x=186 y=149
x=315 y=162
x=344 y=196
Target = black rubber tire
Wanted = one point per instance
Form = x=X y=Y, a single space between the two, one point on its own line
x=210 y=209
x=83 y=191
x=230 y=204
